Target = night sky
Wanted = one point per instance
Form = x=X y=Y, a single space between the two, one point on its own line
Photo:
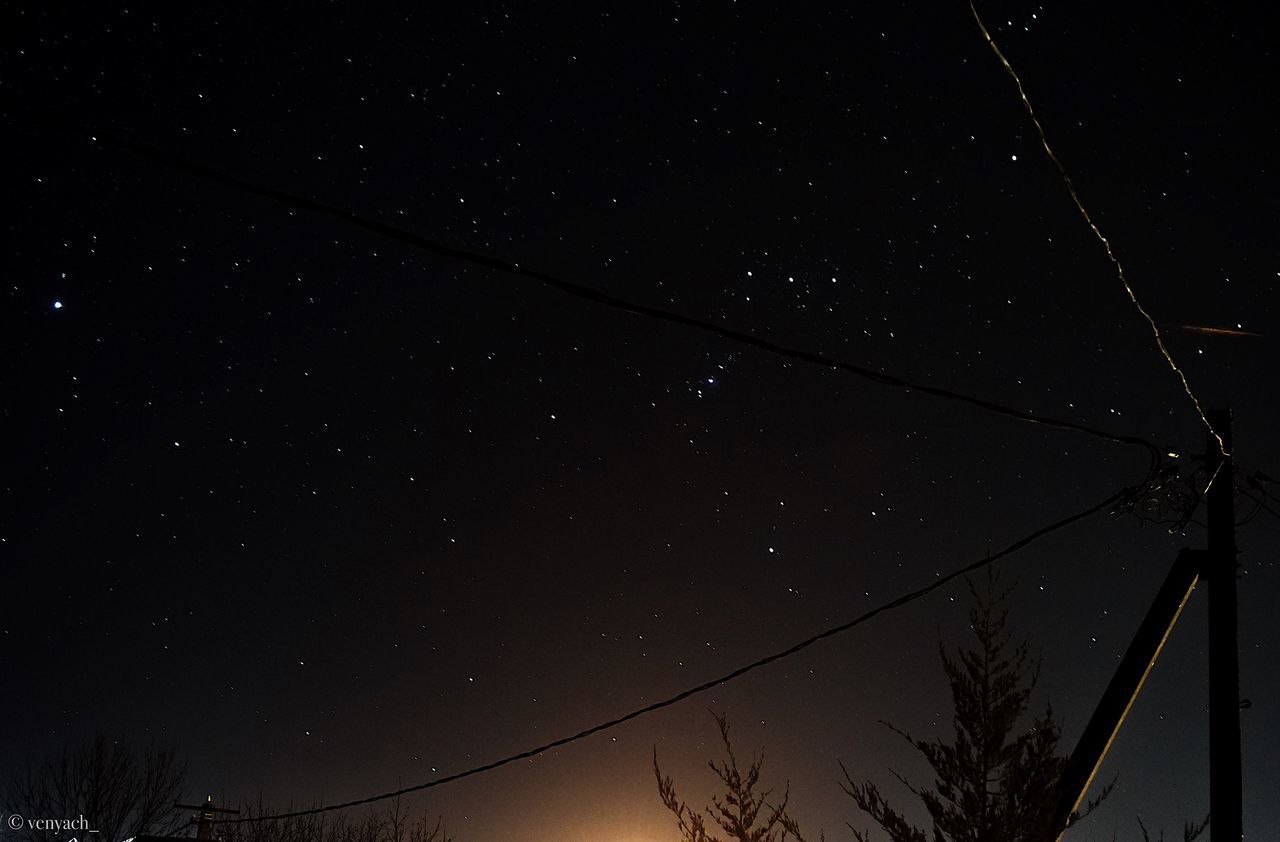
x=333 y=515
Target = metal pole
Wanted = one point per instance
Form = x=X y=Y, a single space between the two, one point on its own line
x=1224 y=668
x=1125 y=685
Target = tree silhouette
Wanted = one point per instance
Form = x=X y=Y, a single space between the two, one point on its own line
x=742 y=812
x=993 y=781
x=1190 y=831
x=121 y=790
x=393 y=824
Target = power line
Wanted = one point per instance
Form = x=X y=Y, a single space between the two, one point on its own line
x=587 y=293
x=1259 y=504
x=1257 y=508
x=1258 y=482
x=1106 y=244
x=715 y=682
x=584 y=292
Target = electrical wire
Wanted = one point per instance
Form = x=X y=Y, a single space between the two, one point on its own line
x=1097 y=232
x=1257 y=508
x=577 y=290
x=587 y=293
x=707 y=685
x=1258 y=482
x=1260 y=503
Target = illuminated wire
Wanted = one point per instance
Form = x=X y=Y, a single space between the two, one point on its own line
x=1190 y=516
x=1106 y=244
x=706 y=685
x=1219 y=331
x=1211 y=481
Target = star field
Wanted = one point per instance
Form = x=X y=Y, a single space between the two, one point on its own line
x=334 y=515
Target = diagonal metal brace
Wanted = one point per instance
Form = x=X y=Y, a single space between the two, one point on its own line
x=1125 y=685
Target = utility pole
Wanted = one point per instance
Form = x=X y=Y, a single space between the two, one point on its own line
x=1215 y=565
x=205 y=816
x=1224 y=667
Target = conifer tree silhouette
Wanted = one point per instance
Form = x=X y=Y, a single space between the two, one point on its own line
x=994 y=779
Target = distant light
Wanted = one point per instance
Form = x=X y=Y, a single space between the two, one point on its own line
x=57 y=303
